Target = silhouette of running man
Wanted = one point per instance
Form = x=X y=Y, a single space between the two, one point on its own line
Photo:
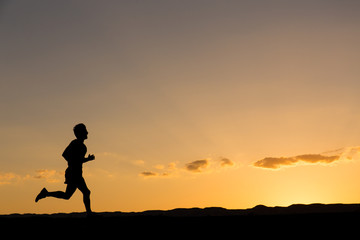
x=74 y=154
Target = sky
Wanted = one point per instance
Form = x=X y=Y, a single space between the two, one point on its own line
x=187 y=103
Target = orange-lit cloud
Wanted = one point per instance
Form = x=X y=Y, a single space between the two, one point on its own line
x=153 y=174
x=9 y=178
x=148 y=174
x=348 y=153
x=277 y=162
x=49 y=175
x=198 y=166
x=225 y=162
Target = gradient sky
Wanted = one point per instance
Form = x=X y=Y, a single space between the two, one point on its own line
x=187 y=103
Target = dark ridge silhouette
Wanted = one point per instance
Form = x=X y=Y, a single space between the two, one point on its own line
x=315 y=220
x=259 y=210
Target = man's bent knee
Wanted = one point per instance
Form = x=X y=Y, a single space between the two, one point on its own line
x=67 y=196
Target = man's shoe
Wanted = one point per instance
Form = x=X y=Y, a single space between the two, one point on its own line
x=41 y=195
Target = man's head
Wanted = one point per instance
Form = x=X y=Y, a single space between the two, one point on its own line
x=80 y=131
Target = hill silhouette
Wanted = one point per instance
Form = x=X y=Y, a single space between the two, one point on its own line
x=299 y=219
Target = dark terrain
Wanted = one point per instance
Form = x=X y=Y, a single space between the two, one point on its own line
x=314 y=220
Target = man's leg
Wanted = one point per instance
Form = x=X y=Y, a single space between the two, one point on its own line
x=70 y=189
x=86 y=194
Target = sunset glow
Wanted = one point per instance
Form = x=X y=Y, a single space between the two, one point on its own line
x=187 y=103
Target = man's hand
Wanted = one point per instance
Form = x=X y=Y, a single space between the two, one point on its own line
x=91 y=157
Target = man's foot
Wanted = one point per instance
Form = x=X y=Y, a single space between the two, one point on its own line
x=41 y=195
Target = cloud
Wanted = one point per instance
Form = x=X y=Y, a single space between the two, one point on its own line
x=197 y=166
x=159 y=166
x=351 y=153
x=172 y=169
x=172 y=166
x=49 y=175
x=148 y=174
x=341 y=154
x=225 y=162
x=161 y=170
x=277 y=162
x=9 y=178
x=44 y=173
x=153 y=174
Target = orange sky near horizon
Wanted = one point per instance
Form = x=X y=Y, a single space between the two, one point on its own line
x=187 y=103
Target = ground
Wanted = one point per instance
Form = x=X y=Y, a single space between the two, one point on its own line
x=315 y=220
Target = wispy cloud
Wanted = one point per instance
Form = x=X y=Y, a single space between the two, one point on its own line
x=225 y=162
x=172 y=169
x=9 y=178
x=148 y=174
x=153 y=174
x=49 y=175
x=277 y=162
x=197 y=166
x=348 y=153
